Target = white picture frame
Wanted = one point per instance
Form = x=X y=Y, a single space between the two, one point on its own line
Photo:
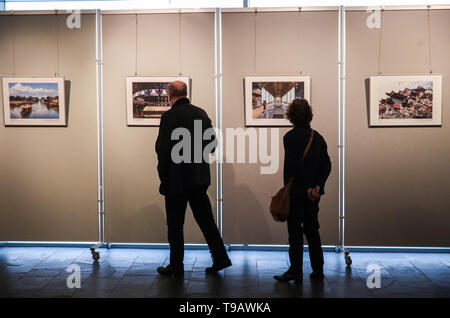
x=150 y=88
x=34 y=101
x=270 y=110
x=406 y=100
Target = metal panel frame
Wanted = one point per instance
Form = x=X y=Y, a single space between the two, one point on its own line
x=101 y=174
x=234 y=247
x=218 y=93
x=218 y=101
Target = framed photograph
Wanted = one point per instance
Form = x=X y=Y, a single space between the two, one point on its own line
x=405 y=100
x=267 y=98
x=147 y=98
x=34 y=101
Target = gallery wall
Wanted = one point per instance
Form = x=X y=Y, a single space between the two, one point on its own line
x=48 y=175
x=135 y=211
x=287 y=43
x=397 y=178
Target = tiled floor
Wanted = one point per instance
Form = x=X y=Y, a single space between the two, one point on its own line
x=41 y=272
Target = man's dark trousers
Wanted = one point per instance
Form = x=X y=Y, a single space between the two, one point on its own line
x=199 y=202
x=303 y=219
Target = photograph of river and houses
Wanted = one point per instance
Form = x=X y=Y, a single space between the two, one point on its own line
x=33 y=101
x=147 y=99
x=406 y=99
x=268 y=98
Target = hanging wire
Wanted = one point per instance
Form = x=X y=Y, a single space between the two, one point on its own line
x=179 y=44
x=57 y=42
x=380 y=41
x=299 y=37
x=14 y=44
x=136 y=48
x=429 y=39
x=254 y=41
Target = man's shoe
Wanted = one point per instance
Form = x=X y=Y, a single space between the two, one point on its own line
x=287 y=276
x=170 y=270
x=317 y=276
x=217 y=266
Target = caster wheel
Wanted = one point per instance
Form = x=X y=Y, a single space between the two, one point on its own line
x=95 y=256
x=337 y=249
x=348 y=260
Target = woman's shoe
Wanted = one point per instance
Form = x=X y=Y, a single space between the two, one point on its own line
x=287 y=276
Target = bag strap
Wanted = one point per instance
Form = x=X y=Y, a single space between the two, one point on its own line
x=308 y=145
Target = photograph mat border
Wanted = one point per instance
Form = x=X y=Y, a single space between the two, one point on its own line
x=61 y=121
x=129 y=99
x=248 y=81
x=437 y=100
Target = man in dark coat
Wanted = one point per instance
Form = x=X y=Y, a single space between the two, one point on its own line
x=183 y=168
x=309 y=177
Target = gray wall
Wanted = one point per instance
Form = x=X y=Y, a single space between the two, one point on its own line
x=397 y=178
x=285 y=45
x=48 y=175
x=135 y=209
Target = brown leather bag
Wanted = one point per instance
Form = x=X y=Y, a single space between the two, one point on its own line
x=281 y=202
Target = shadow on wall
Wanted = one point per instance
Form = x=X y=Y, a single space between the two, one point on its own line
x=151 y=220
x=137 y=219
x=243 y=212
x=67 y=100
x=367 y=86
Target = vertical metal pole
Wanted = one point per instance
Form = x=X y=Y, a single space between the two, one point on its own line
x=339 y=124
x=220 y=120
x=99 y=69
x=218 y=88
x=217 y=111
x=341 y=116
x=343 y=127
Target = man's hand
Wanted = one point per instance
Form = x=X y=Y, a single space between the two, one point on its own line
x=313 y=193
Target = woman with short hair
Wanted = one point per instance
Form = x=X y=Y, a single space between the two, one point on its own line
x=309 y=177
